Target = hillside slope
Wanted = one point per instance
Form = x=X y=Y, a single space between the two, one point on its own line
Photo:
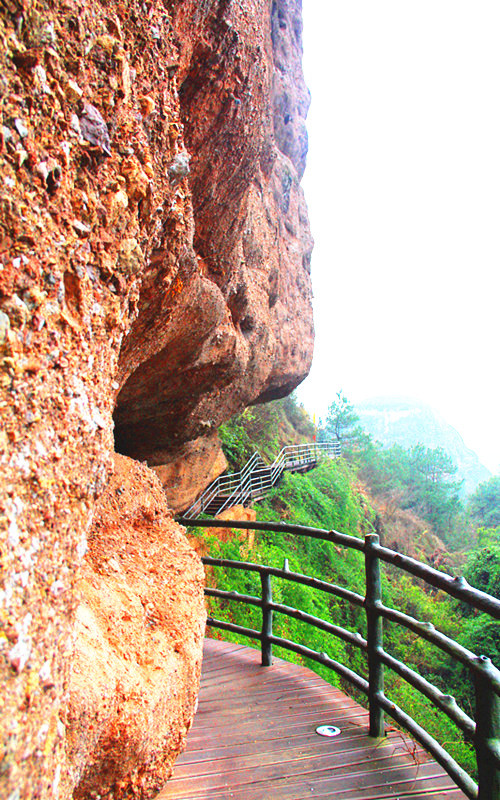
x=407 y=422
x=332 y=496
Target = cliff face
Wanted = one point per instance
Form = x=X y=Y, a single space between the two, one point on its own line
x=154 y=254
x=138 y=636
x=236 y=323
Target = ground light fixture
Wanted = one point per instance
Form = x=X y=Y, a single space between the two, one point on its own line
x=328 y=730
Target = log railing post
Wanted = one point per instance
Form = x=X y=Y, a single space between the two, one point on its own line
x=267 y=620
x=374 y=637
x=487 y=738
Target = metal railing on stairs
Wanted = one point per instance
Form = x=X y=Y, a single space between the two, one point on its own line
x=257 y=478
x=483 y=730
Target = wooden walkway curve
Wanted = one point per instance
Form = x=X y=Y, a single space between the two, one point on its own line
x=254 y=738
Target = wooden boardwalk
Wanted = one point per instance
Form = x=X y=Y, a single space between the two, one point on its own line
x=254 y=738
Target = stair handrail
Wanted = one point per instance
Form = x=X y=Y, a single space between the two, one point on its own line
x=235 y=498
x=219 y=485
x=235 y=483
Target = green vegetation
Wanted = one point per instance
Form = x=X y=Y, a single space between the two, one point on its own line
x=266 y=428
x=484 y=504
x=419 y=479
x=300 y=499
x=347 y=495
x=340 y=421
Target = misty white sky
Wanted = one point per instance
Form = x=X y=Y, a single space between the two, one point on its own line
x=403 y=189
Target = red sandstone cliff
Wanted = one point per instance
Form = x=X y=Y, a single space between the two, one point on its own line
x=246 y=297
x=154 y=256
x=139 y=631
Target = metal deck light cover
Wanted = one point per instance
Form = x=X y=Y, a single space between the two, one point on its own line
x=328 y=730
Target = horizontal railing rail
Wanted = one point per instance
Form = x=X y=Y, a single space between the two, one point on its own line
x=483 y=731
x=235 y=487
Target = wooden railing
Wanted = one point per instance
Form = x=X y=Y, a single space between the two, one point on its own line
x=483 y=730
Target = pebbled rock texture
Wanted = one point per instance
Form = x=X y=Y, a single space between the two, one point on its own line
x=139 y=632
x=245 y=297
x=154 y=256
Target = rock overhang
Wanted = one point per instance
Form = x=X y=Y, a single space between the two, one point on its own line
x=157 y=269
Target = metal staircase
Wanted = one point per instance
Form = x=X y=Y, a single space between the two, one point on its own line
x=257 y=478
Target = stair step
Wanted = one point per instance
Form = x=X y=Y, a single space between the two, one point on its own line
x=295 y=458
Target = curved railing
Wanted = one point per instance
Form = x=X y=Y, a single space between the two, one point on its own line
x=257 y=478
x=483 y=731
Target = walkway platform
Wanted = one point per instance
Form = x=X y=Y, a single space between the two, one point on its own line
x=254 y=738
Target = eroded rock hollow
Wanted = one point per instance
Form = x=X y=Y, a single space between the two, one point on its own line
x=154 y=256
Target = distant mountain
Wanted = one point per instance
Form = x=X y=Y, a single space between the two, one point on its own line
x=392 y=420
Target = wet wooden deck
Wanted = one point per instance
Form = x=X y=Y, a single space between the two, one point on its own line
x=254 y=738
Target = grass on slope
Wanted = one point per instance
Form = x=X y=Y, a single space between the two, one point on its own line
x=328 y=497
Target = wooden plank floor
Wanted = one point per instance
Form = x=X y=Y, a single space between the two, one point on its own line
x=254 y=738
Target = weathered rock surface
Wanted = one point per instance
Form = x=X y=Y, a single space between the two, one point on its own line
x=240 y=514
x=139 y=630
x=196 y=464
x=153 y=243
x=246 y=537
x=245 y=297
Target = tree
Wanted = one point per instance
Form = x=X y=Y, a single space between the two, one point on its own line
x=482 y=570
x=433 y=494
x=419 y=479
x=341 y=419
x=484 y=504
